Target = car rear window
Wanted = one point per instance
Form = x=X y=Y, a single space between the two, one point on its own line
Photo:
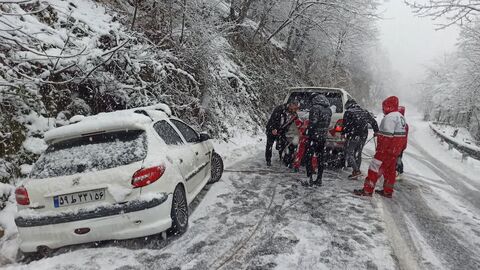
x=91 y=153
x=305 y=99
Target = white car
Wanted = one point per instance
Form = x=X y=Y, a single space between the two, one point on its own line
x=337 y=97
x=118 y=175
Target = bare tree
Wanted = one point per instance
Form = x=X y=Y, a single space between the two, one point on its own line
x=454 y=11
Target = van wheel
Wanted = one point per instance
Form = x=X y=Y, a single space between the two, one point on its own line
x=179 y=213
x=217 y=168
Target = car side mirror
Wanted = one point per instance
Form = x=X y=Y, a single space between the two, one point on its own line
x=204 y=137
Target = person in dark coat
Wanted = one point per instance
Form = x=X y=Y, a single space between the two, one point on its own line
x=281 y=118
x=319 y=120
x=401 y=109
x=355 y=130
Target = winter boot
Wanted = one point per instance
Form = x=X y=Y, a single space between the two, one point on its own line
x=362 y=192
x=269 y=163
x=295 y=169
x=383 y=193
x=318 y=182
x=354 y=175
x=308 y=183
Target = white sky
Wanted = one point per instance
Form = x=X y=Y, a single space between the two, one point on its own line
x=412 y=42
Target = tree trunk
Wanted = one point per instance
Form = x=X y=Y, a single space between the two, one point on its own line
x=245 y=7
x=183 y=20
x=134 y=15
x=231 y=16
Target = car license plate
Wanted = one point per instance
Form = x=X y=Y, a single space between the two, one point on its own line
x=79 y=197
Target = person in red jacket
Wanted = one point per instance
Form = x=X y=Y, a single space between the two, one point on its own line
x=391 y=141
x=401 y=109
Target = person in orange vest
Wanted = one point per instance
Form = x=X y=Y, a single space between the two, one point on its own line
x=391 y=139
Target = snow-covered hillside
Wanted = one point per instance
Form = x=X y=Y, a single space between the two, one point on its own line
x=63 y=58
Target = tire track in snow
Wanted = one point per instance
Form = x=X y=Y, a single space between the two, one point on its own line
x=245 y=240
x=400 y=239
x=410 y=205
x=443 y=240
x=450 y=176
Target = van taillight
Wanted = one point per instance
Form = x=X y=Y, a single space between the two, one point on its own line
x=21 y=195
x=339 y=126
x=144 y=177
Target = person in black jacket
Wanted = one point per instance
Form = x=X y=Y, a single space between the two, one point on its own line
x=355 y=129
x=319 y=120
x=281 y=118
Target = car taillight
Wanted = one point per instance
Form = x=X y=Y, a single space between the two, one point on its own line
x=21 y=195
x=144 y=177
x=339 y=126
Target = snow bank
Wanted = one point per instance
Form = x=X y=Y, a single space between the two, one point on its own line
x=462 y=136
x=238 y=148
x=422 y=134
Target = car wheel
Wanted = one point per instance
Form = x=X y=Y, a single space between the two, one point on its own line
x=179 y=211
x=217 y=168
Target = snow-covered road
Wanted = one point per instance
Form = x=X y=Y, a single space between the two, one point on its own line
x=436 y=210
x=261 y=218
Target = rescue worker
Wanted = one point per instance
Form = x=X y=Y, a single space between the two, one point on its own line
x=282 y=116
x=318 y=122
x=355 y=130
x=391 y=141
x=401 y=109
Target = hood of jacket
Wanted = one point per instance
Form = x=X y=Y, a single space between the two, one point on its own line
x=390 y=104
x=350 y=104
x=321 y=100
x=401 y=109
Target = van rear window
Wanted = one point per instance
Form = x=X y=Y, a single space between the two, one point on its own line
x=91 y=153
x=305 y=99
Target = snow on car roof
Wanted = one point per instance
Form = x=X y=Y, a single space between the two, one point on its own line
x=314 y=88
x=157 y=107
x=134 y=118
x=112 y=121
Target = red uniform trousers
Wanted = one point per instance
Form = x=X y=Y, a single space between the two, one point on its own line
x=382 y=164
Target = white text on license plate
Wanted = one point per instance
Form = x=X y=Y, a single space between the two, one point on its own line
x=79 y=197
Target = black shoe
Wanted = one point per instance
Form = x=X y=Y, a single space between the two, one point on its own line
x=318 y=183
x=295 y=170
x=361 y=192
x=384 y=194
x=269 y=163
x=355 y=175
x=308 y=183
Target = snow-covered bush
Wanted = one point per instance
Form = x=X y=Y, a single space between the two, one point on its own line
x=5 y=192
x=452 y=88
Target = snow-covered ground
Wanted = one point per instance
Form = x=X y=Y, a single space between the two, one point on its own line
x=436 y=208
x=261 y=218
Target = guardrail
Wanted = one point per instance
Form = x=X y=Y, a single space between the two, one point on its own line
x=465 y=150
